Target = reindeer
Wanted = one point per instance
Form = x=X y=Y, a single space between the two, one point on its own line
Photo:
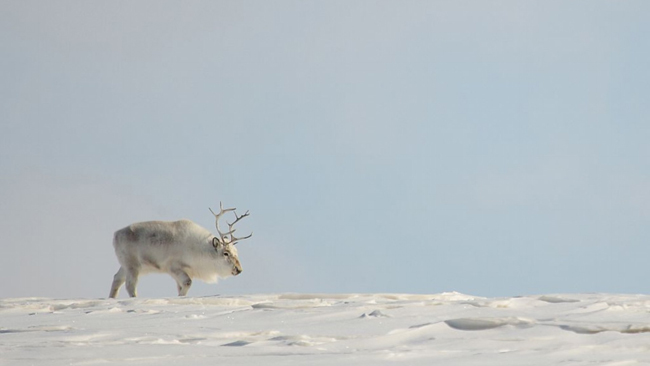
x=183 y=249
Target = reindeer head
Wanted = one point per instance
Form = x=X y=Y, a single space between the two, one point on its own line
x=225 y=243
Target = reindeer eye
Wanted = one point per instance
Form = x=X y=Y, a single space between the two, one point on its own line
x=226 y=254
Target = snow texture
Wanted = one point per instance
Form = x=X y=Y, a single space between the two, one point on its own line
x=326 y=329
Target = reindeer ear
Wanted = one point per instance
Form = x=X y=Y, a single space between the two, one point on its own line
x=216 y=243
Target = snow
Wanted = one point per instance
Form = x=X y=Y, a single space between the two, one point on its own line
x=326 y=329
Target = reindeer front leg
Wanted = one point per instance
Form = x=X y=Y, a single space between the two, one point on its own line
x=183 y=281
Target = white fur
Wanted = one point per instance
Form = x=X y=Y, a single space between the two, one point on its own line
x=183 y=249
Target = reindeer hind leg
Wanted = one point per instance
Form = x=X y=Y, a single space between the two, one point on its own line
x=118 y=281
x=132 y=281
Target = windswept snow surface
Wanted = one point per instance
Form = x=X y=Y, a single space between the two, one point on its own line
x=327 y=329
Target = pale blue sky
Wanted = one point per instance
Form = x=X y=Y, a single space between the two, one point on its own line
x=487 y=147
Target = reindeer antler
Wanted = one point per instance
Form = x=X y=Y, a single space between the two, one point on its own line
x=233 y=239
x=218 y=216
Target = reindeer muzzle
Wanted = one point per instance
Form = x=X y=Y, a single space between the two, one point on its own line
x=236 y=270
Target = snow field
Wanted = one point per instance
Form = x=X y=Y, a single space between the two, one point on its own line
x=324 y=329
